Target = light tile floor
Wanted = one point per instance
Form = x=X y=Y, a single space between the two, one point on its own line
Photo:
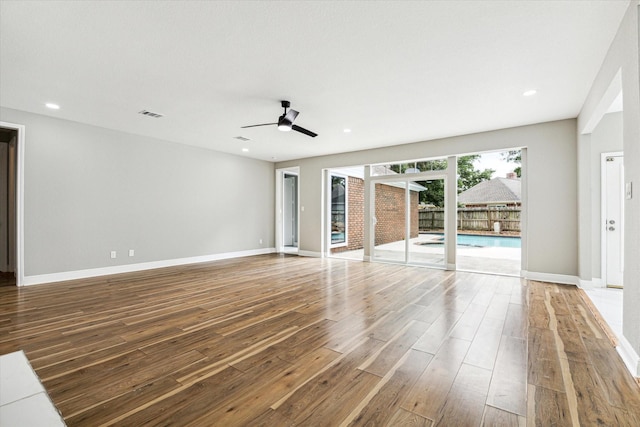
x=23 y=399
x=608 y=301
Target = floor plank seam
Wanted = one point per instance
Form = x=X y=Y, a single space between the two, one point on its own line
x=562 y=356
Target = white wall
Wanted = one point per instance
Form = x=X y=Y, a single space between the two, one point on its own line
x=90 y=190
x=552 y=180
x=622 y=58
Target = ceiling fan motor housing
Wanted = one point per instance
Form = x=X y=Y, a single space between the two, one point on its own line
x=284 y=124
x=286 y=120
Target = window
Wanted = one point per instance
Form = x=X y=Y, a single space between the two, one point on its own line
x=338 y=210
x=411 y=167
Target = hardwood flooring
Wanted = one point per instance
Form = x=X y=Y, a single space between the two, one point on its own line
x=7 y=279
x=283 y=340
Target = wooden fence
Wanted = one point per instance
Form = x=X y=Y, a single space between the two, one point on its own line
x=481 y=219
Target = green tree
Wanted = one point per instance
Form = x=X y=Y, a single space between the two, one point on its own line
x=434 y=194
x=468 y=176
x=514 y=156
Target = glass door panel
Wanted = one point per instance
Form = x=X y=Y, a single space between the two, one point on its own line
x=338 y=210
x=390 y=221
x=426 y=218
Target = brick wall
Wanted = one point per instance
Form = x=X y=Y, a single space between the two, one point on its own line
x=390 y=212
x=415 y=214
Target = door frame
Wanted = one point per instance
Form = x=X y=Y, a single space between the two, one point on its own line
x=524 y=204
x=603 y=213
x=19 y=261
x=286 y=226
x=279 y=208
x=328 y=197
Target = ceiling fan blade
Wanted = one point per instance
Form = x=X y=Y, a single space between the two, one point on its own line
x=291 y=116
x=252 y=126
x=305 y=131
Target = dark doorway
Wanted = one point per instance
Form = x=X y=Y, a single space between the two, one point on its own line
x=8 y=160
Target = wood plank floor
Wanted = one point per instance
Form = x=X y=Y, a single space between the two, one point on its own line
x=283 y=340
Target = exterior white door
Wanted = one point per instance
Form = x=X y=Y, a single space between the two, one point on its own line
x=614 y=220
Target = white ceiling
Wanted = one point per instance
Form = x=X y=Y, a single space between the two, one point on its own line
x=393 y=72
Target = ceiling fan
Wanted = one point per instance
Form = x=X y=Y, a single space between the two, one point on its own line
x=285 y=121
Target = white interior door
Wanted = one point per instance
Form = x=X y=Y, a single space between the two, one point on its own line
x=613 y=198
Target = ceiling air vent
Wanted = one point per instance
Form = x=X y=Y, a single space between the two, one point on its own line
x=151 y=114
x=241 y=138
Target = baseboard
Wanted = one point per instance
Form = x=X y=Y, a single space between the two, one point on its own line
x=590 y=284
x=550 y=277
x=310 y=254
x=129 y=268
x=629 y=356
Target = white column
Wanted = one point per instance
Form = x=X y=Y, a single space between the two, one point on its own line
x=368 y=214
x=451 y=212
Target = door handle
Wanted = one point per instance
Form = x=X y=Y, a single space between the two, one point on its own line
x=611 y=228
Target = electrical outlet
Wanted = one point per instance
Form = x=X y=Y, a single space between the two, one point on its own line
x=260 y=241
x=132 y=252
x=113 y=254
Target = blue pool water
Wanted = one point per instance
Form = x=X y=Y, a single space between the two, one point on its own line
x=492 y=241
x=477 y=241
x=337 y=237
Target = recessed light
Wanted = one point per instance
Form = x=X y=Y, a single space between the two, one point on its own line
x=245 y=150
x=52 y=106
x=346 y=130
x=530 y=92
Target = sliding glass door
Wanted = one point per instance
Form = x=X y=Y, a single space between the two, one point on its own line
x=408 y=216
x=390 y=218
x=427 y=222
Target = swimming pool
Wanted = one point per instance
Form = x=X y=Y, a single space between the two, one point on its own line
x=480 y=241
x=337 y=237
